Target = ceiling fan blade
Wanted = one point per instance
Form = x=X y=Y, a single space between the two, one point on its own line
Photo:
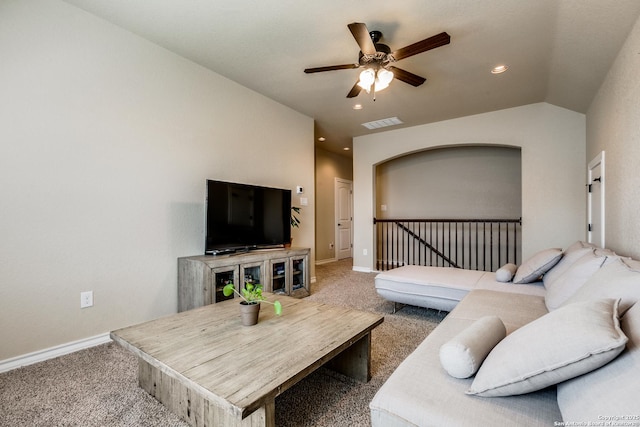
x=355 y=91
x=422 y=46
x=361 y=34
x=407 y=77
x=331 y=68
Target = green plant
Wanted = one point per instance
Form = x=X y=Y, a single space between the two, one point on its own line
x=251 y=294
x=295 y=221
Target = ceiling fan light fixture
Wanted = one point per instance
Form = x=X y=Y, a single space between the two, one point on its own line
x=367 y=77
x=385 y=76
x=375 y=79
x=380 y=86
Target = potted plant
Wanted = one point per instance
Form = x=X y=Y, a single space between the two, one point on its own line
x=250 y=305
x=295 y=222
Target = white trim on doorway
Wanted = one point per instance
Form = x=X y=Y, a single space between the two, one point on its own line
x=340 y=183
x=596 y=163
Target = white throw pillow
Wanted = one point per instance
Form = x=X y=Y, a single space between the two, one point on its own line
x=568 y=259
x=612 y=389
x=537 y=265
x=579 y=245
x=506 y=272
x=616 y=279
x=571 y=280
x=560 y=345
x=462 y=356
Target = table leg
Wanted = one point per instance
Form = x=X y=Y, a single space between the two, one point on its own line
x=194 y=408
x=355 y=360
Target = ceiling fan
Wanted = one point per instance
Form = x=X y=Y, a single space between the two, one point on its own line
x=377 y=59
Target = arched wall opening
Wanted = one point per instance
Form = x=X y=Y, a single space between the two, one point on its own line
x=481 y=181
x=448 y=206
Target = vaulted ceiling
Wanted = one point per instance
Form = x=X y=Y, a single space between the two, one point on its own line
x=557 y=51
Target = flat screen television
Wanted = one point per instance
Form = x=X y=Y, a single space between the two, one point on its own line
x=243 y=217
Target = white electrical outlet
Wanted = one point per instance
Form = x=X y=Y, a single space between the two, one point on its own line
x=365 y=252
x=86 y=299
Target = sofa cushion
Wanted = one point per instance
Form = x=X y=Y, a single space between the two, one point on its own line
x=569 y=257
x=611 y=390
x=488 y=281
x=572 y=279
x=537 y=265
x=462 y=356
x=420 y=393
x=442 y=288
x=616 y=279
x=563 y=344
x=506 y=272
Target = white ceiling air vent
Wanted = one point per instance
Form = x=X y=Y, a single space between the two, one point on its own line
x=376 y=124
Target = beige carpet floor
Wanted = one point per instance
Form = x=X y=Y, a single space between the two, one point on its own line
x=98 y=386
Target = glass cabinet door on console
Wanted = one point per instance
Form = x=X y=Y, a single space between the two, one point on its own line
x=253 y=273
x=299 y=285
x=220 y=276
x=279 y=283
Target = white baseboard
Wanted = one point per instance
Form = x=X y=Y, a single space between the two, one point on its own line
x=326 y=261
x=362 y=269
x=52 y=352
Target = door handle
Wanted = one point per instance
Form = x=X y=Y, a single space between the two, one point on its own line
x=339 y=224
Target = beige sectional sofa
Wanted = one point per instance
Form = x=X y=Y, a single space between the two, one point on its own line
x=563 y=349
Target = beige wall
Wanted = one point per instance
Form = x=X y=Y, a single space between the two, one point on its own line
x=106 y=141
x=455 y=182
x=552 y=141
x=329 y=166
x=613 y=125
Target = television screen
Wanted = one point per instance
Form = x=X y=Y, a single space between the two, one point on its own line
x=242 y=216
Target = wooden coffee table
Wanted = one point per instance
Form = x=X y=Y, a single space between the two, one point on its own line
x=210 y=370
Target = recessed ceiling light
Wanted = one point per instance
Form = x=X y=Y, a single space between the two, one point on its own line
x=357 y=107
x=498 y=69
x=322 y=139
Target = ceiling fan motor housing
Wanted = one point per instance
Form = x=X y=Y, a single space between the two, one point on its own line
x=381 y=58
x=376 y=36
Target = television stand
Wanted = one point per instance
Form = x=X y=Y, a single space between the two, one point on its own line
x=282 y=271
x=218 y=252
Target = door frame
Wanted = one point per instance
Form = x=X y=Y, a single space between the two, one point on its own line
x=336 y=214
x=597 y=161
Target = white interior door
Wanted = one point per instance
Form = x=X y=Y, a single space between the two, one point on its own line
x=344 y=218
x=595 y=200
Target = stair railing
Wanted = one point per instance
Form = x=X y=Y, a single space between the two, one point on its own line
x=477 y=244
